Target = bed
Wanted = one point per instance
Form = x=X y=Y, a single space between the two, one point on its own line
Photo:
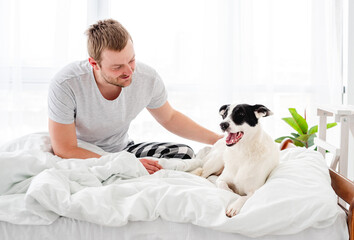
x=45 y=197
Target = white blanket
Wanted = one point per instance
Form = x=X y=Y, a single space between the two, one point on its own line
x=37 y=187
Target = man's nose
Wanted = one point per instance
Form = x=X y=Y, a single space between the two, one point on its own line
x=224 y=125
x=128 y=70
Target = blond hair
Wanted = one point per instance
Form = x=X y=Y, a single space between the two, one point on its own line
x=106 y=34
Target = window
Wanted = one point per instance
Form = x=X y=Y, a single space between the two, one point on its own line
x=280 y=53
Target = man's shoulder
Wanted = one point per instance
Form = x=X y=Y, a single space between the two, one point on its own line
x=145 y=71
x=73 y=71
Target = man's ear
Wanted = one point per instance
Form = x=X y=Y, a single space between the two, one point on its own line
x=223 y=110
x=261 y=111
x=93 y=63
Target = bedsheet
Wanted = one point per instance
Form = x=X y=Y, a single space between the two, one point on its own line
x=37 y=187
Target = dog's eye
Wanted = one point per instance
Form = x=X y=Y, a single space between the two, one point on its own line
x=241 y=114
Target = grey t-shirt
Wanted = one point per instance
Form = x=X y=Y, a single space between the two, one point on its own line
x=74 y=97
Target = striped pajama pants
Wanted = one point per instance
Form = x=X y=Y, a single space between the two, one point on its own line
x=160 y=150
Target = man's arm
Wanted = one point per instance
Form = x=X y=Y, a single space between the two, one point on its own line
x=64 y=141
x=183 y=126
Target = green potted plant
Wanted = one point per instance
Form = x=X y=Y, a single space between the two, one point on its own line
x=304 y=136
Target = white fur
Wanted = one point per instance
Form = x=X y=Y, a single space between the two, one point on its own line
x=247 y=164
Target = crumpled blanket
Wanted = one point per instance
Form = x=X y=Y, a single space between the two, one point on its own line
x=37 y=187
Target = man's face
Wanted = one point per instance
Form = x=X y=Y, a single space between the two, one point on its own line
x=116 y=67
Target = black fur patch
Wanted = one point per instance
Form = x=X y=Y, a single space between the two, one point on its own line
x=244 y=113
x=224 y=111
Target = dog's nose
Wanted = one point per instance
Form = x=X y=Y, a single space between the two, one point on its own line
x=224 y=125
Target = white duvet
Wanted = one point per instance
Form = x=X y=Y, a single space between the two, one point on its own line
x=37 y=187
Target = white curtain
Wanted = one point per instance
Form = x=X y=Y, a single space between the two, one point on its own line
x=280 y=53
x=38 y=37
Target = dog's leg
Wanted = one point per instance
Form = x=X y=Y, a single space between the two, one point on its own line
x=223 y=185
x=235 y=207
x=212 y=166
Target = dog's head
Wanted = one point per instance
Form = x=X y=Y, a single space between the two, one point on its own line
x=241 y=120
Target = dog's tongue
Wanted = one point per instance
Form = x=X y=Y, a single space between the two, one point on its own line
x=233 y=138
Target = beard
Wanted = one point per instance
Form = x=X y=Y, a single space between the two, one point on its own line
x=117 y=81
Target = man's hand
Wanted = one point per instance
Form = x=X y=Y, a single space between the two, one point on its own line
x=151 y=165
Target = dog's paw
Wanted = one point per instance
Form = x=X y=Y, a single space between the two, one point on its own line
x=231 y=212
x=234 y=208
x=197 y=171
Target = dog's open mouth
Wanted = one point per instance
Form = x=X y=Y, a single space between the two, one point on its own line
x=233 y=138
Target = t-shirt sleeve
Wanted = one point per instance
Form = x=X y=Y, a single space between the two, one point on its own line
x=159 y=93
x=61 y=103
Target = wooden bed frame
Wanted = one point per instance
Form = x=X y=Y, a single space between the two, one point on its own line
x=343 y=187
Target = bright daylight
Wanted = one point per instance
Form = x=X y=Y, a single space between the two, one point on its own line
x=155 y=119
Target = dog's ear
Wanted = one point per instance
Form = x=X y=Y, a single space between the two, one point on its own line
x=261 y=111
x=223 y=110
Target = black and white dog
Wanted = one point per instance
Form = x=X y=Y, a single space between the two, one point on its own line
x=245 y=157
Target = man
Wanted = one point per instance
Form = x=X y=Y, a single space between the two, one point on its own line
x=96 y=100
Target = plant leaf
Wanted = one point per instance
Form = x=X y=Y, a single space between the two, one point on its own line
x=330 y=125
x=293 y=124
x=303 y=138
x=307 y=139
x=295 y=135
x=278 y=140
x=300 y=121
x=314 y=129
x=298 y=143
x=310 y=141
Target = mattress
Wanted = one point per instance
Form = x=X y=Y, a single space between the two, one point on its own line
x=67 y=228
